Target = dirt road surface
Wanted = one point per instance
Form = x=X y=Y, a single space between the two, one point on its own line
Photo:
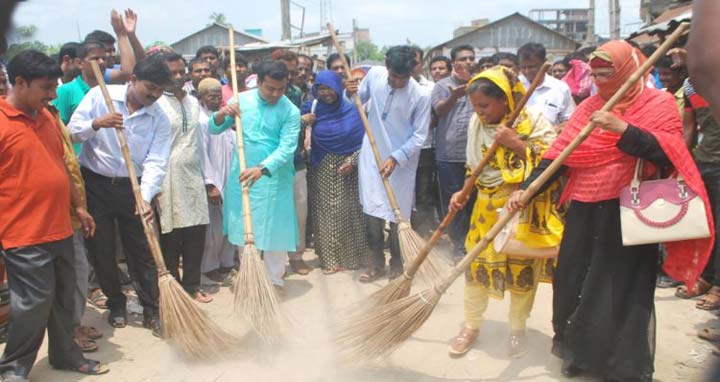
x=314 y=303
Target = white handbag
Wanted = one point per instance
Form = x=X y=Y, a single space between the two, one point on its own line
x=505 y=242
x=659 y=211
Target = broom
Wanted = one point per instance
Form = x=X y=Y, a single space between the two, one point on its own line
x=410 y=241
x=379 y=333
x=183 y=321
x=255 y=296
x=400 y=287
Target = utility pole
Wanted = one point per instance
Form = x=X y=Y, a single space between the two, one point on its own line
x=285 y=13
x=590 y=39
x=355 y=41
x=614 y=7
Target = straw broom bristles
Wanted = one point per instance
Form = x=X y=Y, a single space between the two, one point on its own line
x=431 y=270
x=183 y=321
x=376 y=333
x=373 y=336
x=255 y=296
x=190 y=328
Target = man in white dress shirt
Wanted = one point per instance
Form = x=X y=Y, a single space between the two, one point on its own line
x=552 y=97
x=109 y=192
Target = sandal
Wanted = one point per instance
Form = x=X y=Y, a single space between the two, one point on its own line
x=461 y=343
x=97 y=299
x=711 y=300
x=701 y=287
x=89 y=367
x=371 y=275
x=89 y=332
x=202 y=297
x=86 y=345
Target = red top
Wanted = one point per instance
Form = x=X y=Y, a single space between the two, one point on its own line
x=34 y=186
x=598 y=169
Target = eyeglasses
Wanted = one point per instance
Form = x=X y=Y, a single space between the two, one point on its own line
x=601 y=75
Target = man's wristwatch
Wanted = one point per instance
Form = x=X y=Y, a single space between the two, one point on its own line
x=264 y=170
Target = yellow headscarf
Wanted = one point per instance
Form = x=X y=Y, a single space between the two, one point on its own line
x=511 y=167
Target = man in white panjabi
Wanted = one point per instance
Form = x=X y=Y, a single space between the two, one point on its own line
x=399 y=114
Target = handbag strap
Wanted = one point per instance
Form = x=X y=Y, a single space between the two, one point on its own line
x=635 y=184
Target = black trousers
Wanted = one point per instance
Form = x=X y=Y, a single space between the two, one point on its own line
x=711 y=177
x=188 y=243
x=41 y=279
x=376 y=242
x=427 y=199
x=110 y=199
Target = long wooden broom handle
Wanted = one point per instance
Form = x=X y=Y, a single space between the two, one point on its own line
x=557 y=162
x=470 y=181
x=368 y=131
x=247 y=213
x=152 y=239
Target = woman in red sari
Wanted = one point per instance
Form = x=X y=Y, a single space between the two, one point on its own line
x=603 y=309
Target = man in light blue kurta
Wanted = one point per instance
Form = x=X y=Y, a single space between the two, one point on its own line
x=270 y=124
x=399 y=115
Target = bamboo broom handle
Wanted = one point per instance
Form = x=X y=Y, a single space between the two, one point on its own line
x=470 y=181
x=152 y=239
x=368 y=131
x=527 y=194
x=247 y=213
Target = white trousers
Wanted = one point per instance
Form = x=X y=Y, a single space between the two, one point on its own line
x=274 y=264
x=218 y=250
x=301 y=211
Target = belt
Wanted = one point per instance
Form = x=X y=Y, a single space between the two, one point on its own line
x=117 y=180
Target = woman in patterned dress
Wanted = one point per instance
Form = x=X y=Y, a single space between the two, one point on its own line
x=493 y=95
x=336 y=136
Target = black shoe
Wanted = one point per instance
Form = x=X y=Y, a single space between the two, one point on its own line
x=153 y=323
x=117 y=318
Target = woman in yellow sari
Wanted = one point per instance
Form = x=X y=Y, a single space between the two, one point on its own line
x=493 y=95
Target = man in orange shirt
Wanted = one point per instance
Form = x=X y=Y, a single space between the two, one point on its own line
x=36 y=235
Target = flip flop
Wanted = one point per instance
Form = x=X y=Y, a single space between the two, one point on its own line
x=371 y=275
x=89 y=367
x=89 y=332
x=86 y=345
x=701 y=287
x=711 y=300
x=97 y=299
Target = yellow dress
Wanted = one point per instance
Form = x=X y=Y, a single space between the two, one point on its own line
x=541 y=224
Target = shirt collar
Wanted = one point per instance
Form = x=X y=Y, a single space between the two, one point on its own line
x=82 y=84
x=118 y=93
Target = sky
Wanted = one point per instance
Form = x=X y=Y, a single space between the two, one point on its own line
x=391 y=22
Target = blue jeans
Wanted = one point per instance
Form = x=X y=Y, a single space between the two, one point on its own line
x=451 y=177
x=711 y=176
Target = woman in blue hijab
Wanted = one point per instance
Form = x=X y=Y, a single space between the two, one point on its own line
x=336 y=136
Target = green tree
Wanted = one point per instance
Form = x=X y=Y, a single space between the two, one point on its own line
x=366 y=50
x=218 y=17
x=14 y=49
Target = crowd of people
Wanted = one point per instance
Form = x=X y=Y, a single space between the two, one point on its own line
x=72 y=230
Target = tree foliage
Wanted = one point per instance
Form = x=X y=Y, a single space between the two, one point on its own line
x=367 y=50
x=26 y=33
x=218 y=17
